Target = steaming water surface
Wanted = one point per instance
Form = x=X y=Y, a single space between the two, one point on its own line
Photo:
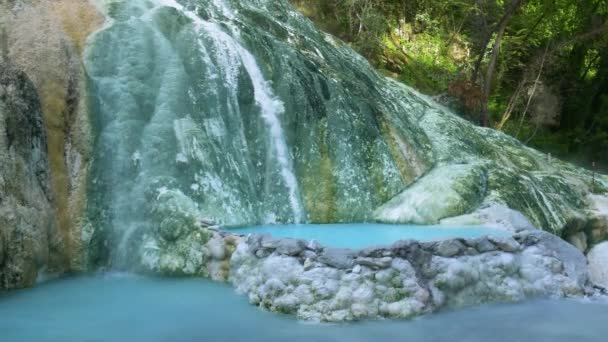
x=129 y=308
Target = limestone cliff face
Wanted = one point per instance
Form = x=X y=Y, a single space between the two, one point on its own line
x=42 y=41
x=243 y=112
x=28 y=231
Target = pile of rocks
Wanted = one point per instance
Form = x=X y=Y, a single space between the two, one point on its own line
x=402 y=280
x=406 y=279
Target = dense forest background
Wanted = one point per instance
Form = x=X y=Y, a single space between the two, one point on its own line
x=535 y=69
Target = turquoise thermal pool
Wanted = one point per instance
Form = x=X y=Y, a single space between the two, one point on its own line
x=366 y=235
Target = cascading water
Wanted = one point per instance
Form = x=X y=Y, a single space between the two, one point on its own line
x=244 y=113
x=270 y=106
x=237 y=111
x=194 y=127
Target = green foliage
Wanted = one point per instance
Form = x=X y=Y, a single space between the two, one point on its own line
x=552 y=50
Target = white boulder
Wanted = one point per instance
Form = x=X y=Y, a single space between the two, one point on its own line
x=598 y=264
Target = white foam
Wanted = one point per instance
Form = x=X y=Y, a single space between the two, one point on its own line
x=269 y=104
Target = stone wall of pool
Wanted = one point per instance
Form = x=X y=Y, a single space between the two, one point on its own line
x=402 y=280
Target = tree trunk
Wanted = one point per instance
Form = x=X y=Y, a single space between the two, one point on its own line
x=486 y=41
x=512 y=104
x=536 y=81
x=491 y=69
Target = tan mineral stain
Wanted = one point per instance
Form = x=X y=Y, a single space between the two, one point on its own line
x=46 y=39
x=79 y=18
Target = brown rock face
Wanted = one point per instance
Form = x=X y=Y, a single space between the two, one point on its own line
x=27 y=242
x=43 y=40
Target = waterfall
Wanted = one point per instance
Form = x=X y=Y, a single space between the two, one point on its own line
x=174 y=117
x=242 y=112
x=272 y=107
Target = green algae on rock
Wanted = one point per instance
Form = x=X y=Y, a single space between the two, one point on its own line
x=244 y=113
x=255 y=116
x=446 y=191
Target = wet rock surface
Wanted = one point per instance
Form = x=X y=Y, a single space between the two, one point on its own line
x=45 y=100
x=27 y=243
x=402 y=280
x=256 y=116
x=347 y=144
x=408 y=278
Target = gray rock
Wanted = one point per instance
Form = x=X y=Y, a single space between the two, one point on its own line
x=579 y=240
x=374 y=263
x=413 y=251
x=471 y=251
x=430 y=246
x=374 y=252
x=509 y=245
x=291 y=247
x=449 y=248
x=286 y=304
x=574 y=261
x=314 y=246
x=527 y=238
x=217 y=248
x=388 y=253
x=598 y=264
x=307 y=254
x=483 y=245
x=502 y=215
x=338 y=258
x=403 y=244
x=262 y=253
x=345 y=284
x=308 y=264
x=254 y=241
x=269 y=242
